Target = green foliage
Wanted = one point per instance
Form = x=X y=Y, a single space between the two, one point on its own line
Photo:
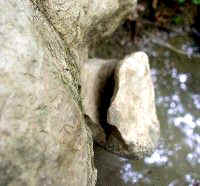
x=196 y=2
x=181 y=1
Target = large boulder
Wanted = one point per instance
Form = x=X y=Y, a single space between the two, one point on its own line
x=43 y=136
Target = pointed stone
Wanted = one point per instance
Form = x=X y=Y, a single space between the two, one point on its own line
x=132 y=110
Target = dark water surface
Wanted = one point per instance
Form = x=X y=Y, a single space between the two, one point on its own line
x=176 y=161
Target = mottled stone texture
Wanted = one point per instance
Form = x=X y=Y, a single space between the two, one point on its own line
x=132 y=110
x=43 y=137
x=83 y=20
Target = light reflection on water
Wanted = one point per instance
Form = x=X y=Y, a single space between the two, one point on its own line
x=176 y=161
x=129 y=175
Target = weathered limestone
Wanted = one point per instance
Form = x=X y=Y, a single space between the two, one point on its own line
x=132 y=110
x=129 y=119
x=80 y=22
x=43 y=136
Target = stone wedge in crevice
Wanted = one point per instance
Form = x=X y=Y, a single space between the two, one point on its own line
x=97 y=90
x=118 y=96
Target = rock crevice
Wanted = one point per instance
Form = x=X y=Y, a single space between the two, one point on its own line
x=119 y=97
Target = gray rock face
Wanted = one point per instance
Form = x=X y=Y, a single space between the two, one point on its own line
x=98 y=85
x=43 y=136
x=81 y=21
x=94 y=76
x=132 y=110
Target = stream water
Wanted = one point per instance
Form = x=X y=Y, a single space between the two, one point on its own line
x=176 y=161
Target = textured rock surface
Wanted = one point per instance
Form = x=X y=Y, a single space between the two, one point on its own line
x=82 y=20
x=43 y=136
x=132 y=110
